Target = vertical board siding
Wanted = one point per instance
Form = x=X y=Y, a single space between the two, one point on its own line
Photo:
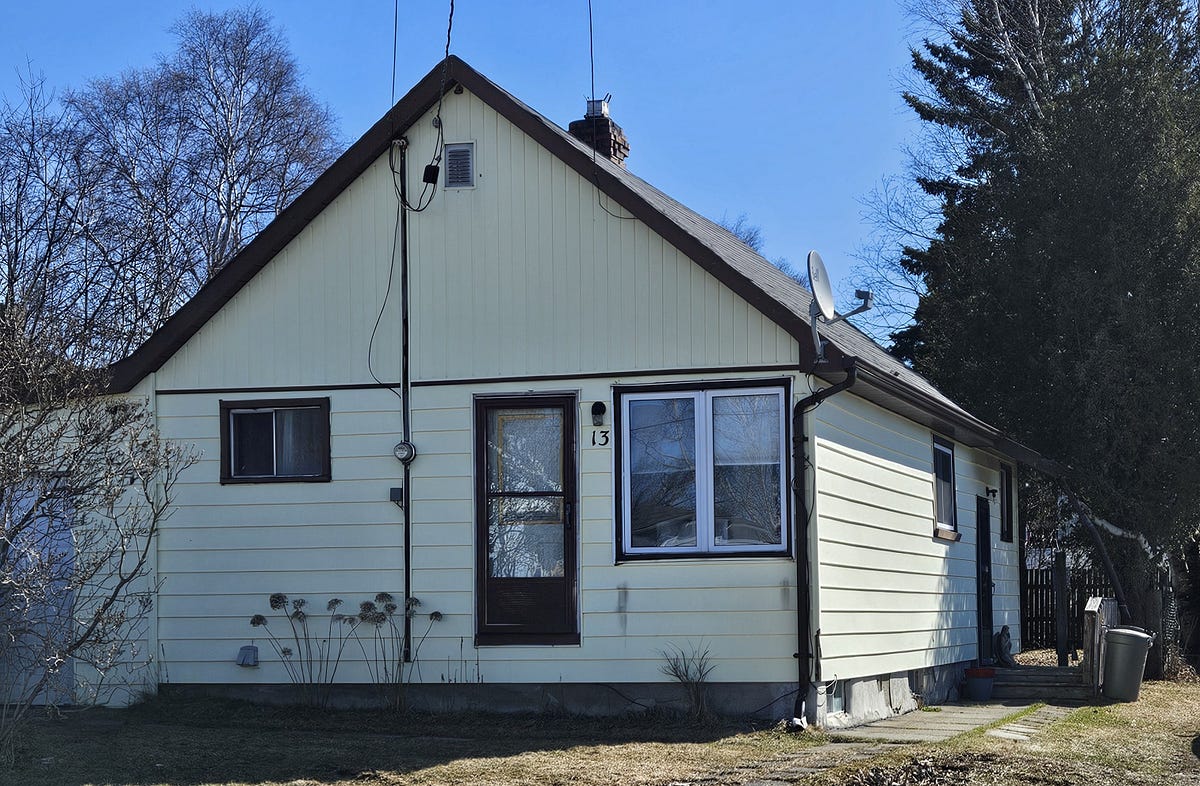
x=225 y=549
x=307 y=317
x=534 y=272
x=892 y=597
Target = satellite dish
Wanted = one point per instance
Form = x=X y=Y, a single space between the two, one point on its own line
x=821 y=308
x=818 y=281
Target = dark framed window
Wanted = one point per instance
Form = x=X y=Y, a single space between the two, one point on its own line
x=274 y=441
x=945 y=505
x=702 y=470
x=1006 y=503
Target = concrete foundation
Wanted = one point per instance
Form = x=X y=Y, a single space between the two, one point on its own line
x=765 y=700
x=867 y=699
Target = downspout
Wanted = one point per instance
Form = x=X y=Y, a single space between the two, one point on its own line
x=405 y=409
x=804 y=652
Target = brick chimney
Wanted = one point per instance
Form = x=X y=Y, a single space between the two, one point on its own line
x=598 y=130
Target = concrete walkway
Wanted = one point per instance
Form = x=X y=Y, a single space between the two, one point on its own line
x=863 y=743
x=936 y=725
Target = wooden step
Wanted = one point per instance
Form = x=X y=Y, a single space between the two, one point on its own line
x=1080 y=693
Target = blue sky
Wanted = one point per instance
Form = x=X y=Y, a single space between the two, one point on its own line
x=786 y=111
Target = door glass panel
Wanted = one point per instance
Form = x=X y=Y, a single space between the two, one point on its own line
x=525 y=537
x=747 y=470
x=524 y=448
x=662 y=472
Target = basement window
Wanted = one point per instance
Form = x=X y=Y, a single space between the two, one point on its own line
x=460 y=165
x=702 y=472
x=282 y=440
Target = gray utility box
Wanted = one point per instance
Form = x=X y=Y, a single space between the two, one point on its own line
x=1125 y=661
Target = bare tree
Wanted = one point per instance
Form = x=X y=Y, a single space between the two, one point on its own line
x=85 y=483
x=196 y=155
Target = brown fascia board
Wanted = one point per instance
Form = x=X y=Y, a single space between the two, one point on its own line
x=890 y=393
x=157 y=349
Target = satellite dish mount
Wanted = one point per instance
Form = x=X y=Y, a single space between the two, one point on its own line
x=821 y=309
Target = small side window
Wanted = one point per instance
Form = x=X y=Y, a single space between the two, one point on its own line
x=274 y=441
x=944 y=504
x=1006 y=503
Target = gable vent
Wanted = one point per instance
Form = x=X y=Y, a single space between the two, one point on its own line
x=460 y=165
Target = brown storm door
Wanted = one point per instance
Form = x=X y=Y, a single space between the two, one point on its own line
x=983 y=550
x=525 y=540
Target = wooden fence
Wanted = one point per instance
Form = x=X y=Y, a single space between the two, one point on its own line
x=1037 y=608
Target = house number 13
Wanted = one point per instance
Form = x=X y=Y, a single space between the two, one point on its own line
x=599 y=438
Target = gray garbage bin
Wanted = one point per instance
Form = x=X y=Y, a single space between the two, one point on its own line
x=1125 y=661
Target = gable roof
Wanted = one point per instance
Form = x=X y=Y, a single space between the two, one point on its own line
x=881 y=378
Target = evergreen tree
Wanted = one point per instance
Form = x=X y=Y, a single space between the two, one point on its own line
x=1064 y=278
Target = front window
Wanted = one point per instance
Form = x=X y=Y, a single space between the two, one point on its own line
x=282 y=440
x=703 y=471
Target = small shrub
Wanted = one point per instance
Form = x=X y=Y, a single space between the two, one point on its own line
x=690 y=669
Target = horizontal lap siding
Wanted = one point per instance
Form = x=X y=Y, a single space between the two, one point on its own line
x=225 y=549
x=741 y=610
x=891 y=596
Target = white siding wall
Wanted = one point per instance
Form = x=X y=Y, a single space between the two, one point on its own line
x=741 y=610
x=891 y=596
x=226 y=548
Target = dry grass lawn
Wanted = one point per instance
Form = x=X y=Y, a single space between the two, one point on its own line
x=1155 y=741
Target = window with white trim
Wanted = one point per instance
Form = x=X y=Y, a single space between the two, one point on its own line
x=273 y=441
x=703 y=471
x=944 y=505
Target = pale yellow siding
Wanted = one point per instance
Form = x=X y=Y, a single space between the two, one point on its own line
x=891 y=596
x=307 y=317
x=227 y=548
x=531 y=273
x=741 y=610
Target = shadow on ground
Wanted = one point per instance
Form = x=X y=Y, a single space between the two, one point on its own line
x=186 y=743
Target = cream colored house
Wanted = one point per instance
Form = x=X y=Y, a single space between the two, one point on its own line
x=619 y=450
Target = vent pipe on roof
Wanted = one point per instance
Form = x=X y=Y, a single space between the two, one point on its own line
x=598 y=131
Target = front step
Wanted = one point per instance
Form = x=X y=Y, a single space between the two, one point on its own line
x=1042 y=684
x=1080 y=693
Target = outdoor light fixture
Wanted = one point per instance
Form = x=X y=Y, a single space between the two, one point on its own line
x=598 y=410
x=991 y=492
x=405 y=451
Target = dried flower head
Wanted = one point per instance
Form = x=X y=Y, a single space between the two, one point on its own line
x=390 y=608
x=366 y=607
x=333 y=604
x=299 y=616
x=299 y=603
x=258 y=620
x=278 y=600
x=384 y=597
x=286 y=652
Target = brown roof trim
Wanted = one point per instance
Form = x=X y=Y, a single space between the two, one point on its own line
x=151 y=355
x=882 y=387
x=157 y=349
x=892 y=394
